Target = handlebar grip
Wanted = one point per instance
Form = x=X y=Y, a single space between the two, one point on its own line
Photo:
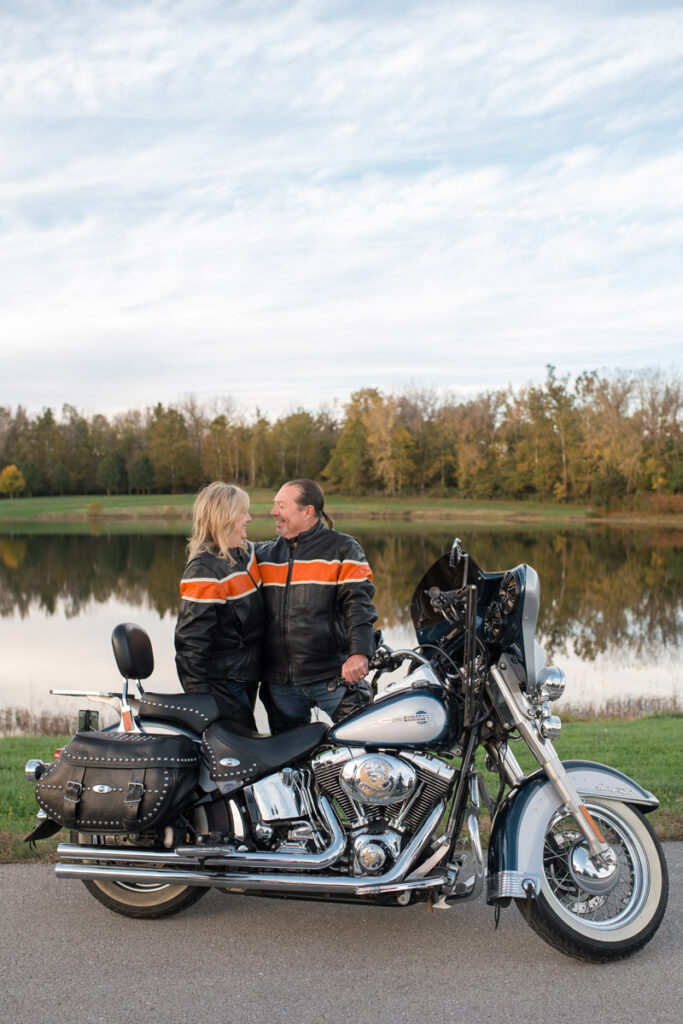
x=441 y=598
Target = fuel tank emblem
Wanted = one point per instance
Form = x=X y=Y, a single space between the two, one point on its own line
x=418 y=717
x=228 y=762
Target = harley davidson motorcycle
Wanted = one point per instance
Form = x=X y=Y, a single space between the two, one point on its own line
x=380 y=807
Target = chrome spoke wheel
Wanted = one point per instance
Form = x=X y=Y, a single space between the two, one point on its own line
x=599 y=911
x=607 y=901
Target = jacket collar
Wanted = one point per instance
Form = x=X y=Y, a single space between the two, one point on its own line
x=307 y=535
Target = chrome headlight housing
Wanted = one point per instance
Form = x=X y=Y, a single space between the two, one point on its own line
x=551 y=683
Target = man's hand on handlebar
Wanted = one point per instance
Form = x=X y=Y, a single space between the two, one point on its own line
x=355 y=668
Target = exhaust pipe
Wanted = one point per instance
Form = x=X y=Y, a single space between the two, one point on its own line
x=215 y=856
x=279 y=883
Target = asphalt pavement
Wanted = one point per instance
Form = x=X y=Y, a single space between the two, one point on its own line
x=246 y=960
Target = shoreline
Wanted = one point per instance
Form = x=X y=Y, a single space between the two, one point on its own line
x=97 y=510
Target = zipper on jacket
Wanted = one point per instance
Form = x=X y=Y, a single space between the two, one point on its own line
x=285 y=617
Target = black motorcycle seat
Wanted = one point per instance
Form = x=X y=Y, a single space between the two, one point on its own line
x=195 y=711
x=241 y=755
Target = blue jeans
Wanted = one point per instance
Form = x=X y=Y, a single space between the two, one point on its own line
x=290 y=706
x=245 y=692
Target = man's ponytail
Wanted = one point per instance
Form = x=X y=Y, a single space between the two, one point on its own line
x=311 y=493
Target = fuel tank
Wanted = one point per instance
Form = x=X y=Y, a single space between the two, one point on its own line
x=416 y=719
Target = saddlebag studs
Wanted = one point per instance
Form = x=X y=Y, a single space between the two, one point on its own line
x=100 y=784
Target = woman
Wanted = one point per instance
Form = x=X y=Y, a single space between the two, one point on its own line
x=221 y=620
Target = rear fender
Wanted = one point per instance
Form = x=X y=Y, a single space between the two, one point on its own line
x=515 y=857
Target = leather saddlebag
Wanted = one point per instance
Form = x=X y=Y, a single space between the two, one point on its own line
x=119 y=782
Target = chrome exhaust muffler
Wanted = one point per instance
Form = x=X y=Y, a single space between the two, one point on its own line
x=215 y=856
x=247 y=882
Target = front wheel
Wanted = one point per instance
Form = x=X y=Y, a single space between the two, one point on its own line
x=600 y=915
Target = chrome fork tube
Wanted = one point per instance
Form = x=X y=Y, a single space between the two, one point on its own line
x=546 y=755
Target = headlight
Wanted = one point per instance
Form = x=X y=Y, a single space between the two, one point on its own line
x=551 y=683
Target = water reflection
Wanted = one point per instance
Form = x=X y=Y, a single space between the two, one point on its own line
x=616 y=592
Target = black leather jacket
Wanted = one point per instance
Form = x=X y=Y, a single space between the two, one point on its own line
x=219 y=631
x=318 y=597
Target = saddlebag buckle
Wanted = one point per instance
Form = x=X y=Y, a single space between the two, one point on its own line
x=72 y=792
x=134 y=794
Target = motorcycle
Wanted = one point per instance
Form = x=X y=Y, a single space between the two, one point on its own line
x=383 y=805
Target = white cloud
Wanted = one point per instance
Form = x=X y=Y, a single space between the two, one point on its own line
x=259 y=197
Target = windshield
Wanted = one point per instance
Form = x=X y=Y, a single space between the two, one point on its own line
x=445 y=577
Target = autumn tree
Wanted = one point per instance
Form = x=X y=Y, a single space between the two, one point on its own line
x=611 y=442
x=297 y=440
x=418 y=412
x=169 y=448
x=350 y=466
x=474 y=427
x=11 y=481
x=220 y=452
x=660 y=405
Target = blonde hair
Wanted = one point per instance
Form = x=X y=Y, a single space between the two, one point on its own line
x=217 y=508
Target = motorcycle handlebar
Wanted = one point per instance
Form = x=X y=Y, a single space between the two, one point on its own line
x=442 y=598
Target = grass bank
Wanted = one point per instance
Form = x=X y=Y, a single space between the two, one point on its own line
x=647 y=749
x=170 y=508
x=162 y=512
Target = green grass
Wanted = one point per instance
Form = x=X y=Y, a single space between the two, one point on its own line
x=79 y=505
x=173 y=511
x=18 y=805
x=164 y=507
x=647 y=749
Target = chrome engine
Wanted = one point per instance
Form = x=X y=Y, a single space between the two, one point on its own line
x=383 y=798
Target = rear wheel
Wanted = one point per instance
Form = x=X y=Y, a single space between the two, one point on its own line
x=600 y=914
x=140 y=899
x=135 y=899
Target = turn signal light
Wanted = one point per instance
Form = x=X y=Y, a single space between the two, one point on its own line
x=550 y=725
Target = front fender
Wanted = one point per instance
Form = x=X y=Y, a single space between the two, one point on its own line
x=515 y=857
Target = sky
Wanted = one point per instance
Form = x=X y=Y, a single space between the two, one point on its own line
x=284 y=202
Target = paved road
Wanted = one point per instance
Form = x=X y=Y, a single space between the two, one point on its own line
x=240 y=960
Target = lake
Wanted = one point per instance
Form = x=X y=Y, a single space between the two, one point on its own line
x=611 y=602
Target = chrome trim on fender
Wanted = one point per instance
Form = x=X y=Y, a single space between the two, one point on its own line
x=518 y=832
x=516 y=885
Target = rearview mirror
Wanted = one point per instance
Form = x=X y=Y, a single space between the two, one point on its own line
x=456 y=555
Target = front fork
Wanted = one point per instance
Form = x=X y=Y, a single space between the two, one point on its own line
x=542 y=749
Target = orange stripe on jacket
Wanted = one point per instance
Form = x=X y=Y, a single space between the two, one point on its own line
x=354 y=572
x=274 y=574
x=219 y=591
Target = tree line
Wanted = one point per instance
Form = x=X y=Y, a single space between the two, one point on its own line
x=602 y=437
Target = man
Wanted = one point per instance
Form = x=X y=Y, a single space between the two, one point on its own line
x=318 y=591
